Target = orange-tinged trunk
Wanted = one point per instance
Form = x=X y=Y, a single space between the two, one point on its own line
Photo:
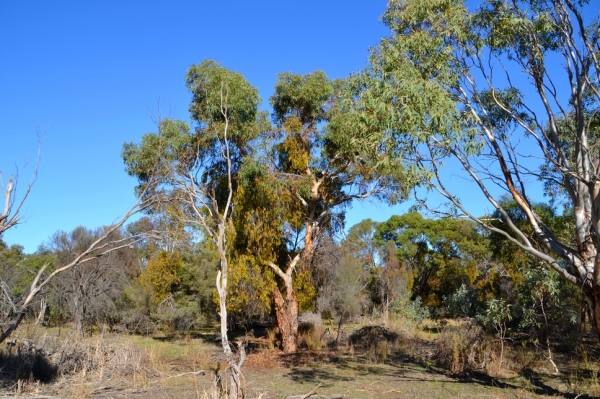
x=285 y=319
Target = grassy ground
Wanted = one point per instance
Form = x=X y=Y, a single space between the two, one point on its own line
x=119 y=366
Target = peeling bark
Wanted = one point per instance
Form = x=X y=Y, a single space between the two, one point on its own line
x=286 y=319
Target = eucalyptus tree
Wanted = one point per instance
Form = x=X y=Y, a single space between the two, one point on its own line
x=199 y=170
x=324 y=155
x=490 y=90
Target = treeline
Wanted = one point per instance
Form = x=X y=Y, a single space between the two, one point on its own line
x=406 y=269
x=138 y=288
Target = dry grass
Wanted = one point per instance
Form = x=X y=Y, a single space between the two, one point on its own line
x=381 y=362
x=70 y=362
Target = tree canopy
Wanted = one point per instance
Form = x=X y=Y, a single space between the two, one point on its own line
x=493 y=90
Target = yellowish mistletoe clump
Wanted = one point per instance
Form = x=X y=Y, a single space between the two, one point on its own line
x=161 y=274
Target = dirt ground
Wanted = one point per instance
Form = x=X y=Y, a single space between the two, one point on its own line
x=166 y=367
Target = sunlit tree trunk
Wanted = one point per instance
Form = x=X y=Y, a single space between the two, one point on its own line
x=285 y=310
x=285 y=320
x=42 y=314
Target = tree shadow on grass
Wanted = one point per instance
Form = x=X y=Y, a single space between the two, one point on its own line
x=327 y=368
x=323 y=366
x=536 y=385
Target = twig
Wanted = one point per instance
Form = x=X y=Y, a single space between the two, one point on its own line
x=199 y=372
x=107 y=387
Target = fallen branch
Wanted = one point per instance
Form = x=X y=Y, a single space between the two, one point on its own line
x=311 y=393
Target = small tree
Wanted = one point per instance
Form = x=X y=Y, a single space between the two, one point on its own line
x=342 y=282
x=161 y=274
x=496 y=315
x=539 y=290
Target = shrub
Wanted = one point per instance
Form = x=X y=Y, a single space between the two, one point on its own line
x=460 y=348
x=376 y=341
x=139 y=323
x=47 y=358
x=463 y=303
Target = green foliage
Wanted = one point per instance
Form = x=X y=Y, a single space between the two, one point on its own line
x=193 y=171
x=155 y=155
x=462 y=303
x=197 y=274
x=442 y=254
x=292 y=180
x=407 y=83
x=434 y=84
x=361 y=243
x=497 y=313
x=223 y=103
x=508 y=28
x=10 y=256
x=18 y=269
x=257 y=221
x=408 y=310
x=27 y=269
x=543 y=294
x=301 y=97
x=220 y=96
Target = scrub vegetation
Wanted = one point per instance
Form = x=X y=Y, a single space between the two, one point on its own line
x=235 y=274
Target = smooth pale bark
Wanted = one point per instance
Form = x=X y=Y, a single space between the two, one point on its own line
x=10 y=216
x=470 y=108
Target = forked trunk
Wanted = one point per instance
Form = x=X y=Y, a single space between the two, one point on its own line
x=285 y=319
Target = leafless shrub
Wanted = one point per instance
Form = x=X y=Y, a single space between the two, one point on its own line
x=309 y=321
x=377 y=342
x=139 y=323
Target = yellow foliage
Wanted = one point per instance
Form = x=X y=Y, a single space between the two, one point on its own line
x=161 y=274
x=296 y=150
x=251 y=285
x=432 y=300
x=305 y=291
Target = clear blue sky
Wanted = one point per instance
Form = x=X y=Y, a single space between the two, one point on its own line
x=92 y=74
